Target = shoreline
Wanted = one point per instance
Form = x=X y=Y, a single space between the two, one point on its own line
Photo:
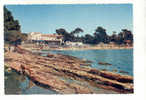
x=35 y=47
x=45 y=70
x=94 y=48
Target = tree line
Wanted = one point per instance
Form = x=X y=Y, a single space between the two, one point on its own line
x=100 y=35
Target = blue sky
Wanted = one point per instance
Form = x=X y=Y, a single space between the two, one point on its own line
x=48 y=18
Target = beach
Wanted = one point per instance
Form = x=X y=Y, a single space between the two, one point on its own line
x=84 y=47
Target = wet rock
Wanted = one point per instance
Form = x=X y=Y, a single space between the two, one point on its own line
x=49 y=55
x=104 y=69
x=114 y=70
x=124 y=72
x=104 y=63
x=113 y=76
x=87 y=61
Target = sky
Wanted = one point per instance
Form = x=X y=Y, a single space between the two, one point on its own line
x=47 y=18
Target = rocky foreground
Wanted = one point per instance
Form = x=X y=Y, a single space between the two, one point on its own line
x=48 y=71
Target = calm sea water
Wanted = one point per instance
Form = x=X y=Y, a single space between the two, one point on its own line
x=121 y=60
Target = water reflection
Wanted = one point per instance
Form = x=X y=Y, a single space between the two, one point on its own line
x=10 y=80
x=20 y=84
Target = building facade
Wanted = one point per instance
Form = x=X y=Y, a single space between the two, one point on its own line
x=50 y=39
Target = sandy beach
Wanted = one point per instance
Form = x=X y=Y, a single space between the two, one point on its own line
x=86 y=47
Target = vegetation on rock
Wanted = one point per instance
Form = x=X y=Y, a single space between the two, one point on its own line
x=12 y=29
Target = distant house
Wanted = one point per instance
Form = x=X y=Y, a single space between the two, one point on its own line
x=50 y=39
x=69 y=43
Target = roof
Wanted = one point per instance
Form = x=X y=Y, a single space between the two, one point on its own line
x=50 y=35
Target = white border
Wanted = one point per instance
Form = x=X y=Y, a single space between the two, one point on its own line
x=139 y=52
x=65 y=1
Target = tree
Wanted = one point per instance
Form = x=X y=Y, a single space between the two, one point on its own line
x=75 y=35
x=89 y=39
x=113 y=37
x=12 y=31
x=124 y=36
x=100 y=35
x=66 y=35
x=127 y=34
x=77 y=30
x=9 y=22
x=70 y=36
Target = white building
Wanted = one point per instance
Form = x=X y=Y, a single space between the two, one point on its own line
x=68 y=43
x=37 y=37
x=34 y=36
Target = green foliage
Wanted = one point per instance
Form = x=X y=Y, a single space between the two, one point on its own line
x=12 y=32
x=9 y=23
x=65 y=34
x=88 y=39
x=76 y=31
x=99 y=35
x=23 y=36
x=70 y=36
x=12 y=36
